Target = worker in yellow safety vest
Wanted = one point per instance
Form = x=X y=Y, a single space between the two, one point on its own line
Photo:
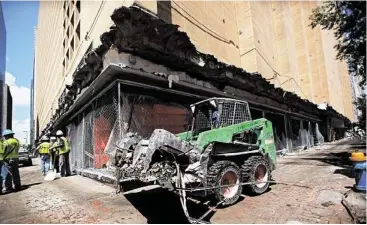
x=3 y=174
x=54 y=164
x=11 y=161
x=44 y=152
x=63 y=149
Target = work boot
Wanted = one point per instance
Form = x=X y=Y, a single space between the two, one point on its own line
x=5 y=190
x=17 y=189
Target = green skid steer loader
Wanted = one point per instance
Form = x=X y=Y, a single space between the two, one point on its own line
x=223 y=148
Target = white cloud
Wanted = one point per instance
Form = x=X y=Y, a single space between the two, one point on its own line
x=10 y=79
x=21 y=95
x=19 y=128
x=7 y=58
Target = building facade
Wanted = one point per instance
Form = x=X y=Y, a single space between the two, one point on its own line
x=8 y=109
x=261 y=52
x=2 y=65
x=272 y=38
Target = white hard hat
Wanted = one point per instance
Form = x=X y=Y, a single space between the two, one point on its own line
x=44 y=138
x=59 y=133
x=53 y=138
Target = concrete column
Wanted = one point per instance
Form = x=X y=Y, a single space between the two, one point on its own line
x=119 y=116
x=83 y=140
x=287 y=132
x=328 y=130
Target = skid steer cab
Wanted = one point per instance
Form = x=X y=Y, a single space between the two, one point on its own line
x=222 y=148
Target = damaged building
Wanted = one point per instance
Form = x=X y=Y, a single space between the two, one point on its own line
x=137 y=66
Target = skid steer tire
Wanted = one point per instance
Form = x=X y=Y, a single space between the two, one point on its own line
x=222 y=173
x=256 y=169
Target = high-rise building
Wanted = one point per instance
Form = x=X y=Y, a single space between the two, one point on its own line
x=32 y=131
x=106 y=68
x=272 y=38
x=2 y=63
x=291 y=67
x=8 y=108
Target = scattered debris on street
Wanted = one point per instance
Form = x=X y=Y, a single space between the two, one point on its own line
x=77 y=199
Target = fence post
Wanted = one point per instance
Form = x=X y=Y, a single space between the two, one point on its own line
x=83 y=140
x=95 y=107
x=119 y=116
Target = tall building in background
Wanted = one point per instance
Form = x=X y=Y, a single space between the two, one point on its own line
x=272 y=38
x=2 y=63
x=8 y=108
x=32 y=131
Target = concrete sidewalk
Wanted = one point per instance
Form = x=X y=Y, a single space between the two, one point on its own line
x=326 y=171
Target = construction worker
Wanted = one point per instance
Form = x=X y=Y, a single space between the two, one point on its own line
x=3 y=175
x=11 y=160
x=63 y=151
x=44 y=152
x=54 y=155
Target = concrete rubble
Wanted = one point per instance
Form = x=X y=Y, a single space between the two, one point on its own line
x=355 y=202
x=329 y=197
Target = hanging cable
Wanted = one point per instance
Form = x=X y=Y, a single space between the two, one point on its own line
x=240 y=184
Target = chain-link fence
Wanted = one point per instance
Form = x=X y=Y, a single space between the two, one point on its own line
x=89 y=132
x=95 y=132
x=292 y=134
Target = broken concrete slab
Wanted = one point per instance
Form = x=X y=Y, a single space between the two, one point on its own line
x=355 y=202
x=329 y=197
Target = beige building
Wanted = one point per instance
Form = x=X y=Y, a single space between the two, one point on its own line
x=272 y=38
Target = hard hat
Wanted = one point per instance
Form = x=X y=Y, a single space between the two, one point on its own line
x=53 y=138
x=59 y=133
x=44 y=138
x=357 y=156
x=7 y=132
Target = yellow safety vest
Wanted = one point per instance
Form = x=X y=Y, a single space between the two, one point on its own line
x=2 y=149
x=13 y=146
x=66 y=147
x=44 y=148
x=53 y=144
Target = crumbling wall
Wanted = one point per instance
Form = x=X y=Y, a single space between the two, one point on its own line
x=141 y=34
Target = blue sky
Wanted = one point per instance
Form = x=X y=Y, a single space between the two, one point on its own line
x=20 y=20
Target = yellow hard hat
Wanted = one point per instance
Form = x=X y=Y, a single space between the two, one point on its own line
x=357 y=156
